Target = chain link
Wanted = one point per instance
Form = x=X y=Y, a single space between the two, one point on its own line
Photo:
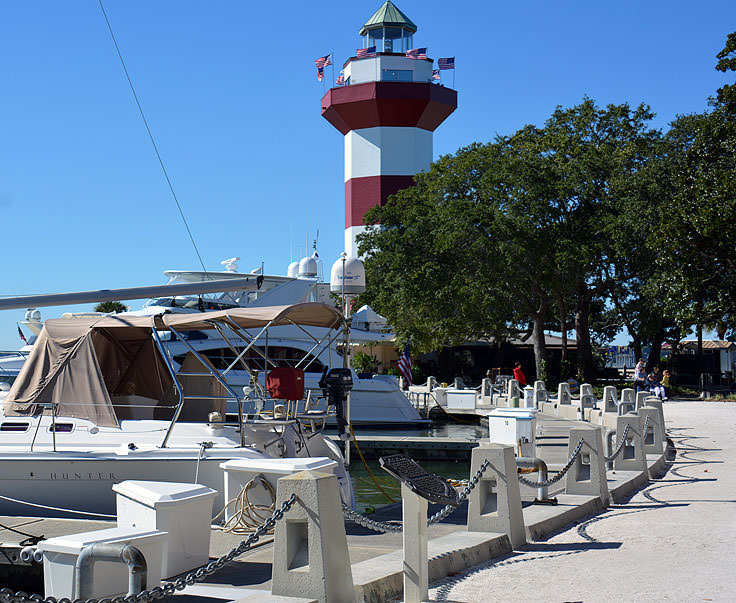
x=559 y=475
x=621 y=443
x=440 y=515
x=383 y=526
x=159 y=592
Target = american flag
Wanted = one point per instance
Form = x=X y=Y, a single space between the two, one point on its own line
x=364 y=53
x=404 y=365
x=320 y=73
x=323 y=61
x=23 y=337
x=446 y=63
x=417 y=53
x=435 y=74
x=340 y=80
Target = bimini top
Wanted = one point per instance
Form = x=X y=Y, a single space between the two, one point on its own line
x=310 y=314
x=78 y=365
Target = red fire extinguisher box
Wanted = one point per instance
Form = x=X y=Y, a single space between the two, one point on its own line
x=285 y=383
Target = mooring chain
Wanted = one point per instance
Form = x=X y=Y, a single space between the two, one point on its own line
x=382 y=526
x=440 y=515
x=159 y=592
x=559 y=475
x=621 y=443
x=367 y=522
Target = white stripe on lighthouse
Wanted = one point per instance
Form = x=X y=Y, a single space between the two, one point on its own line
x=387 y=151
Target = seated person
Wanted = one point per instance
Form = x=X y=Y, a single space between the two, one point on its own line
x=654 y=383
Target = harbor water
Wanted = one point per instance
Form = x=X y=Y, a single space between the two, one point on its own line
x=375 y=488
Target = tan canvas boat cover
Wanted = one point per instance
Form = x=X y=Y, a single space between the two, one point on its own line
x=77 y=364
x=313 y=314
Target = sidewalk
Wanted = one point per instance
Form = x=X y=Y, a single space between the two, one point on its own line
x=673 y=541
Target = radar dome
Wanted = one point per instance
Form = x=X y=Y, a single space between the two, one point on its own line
x=354 y=272
x=293 y=270
x=308 y=267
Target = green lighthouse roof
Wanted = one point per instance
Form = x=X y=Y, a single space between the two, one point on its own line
x=388 y=16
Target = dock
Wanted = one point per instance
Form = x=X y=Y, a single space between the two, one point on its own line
x=375 y=558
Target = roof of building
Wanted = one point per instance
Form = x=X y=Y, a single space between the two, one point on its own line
x=388 y=16
x=709 y=344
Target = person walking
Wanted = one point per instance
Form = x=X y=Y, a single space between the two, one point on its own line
x=519 y=374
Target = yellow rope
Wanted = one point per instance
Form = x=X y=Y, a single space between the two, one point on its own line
x=362 y=458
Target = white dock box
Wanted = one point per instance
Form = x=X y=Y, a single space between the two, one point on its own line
x=110 y=578
x=512 y=426
x=461 y=399
x=182 y=510
x=238 y=472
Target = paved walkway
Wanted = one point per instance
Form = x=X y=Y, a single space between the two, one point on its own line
x=673 y=541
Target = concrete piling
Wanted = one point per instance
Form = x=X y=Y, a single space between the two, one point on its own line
x=587 y=475
x=654 y=439
x=632 y=457
x=310 y=554
x=494 y=505
x=627 y=402
x=610 y=401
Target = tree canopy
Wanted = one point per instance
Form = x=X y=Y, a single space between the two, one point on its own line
x=592 y=222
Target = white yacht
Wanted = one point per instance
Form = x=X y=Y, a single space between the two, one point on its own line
x=100 y=401
x=375 y=400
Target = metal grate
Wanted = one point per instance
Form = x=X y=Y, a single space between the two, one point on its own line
x=427 y=485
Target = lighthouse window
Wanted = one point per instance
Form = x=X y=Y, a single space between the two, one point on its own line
x=397 y=75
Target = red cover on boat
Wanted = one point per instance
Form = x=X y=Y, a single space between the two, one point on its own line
x=285 y=383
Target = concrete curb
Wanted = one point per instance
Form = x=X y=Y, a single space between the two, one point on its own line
x=379 y=579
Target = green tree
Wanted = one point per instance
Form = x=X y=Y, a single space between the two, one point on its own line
x=696 y=235
x=109 y=307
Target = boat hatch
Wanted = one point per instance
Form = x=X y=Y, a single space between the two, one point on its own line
x=14 y=426
x=62 y=427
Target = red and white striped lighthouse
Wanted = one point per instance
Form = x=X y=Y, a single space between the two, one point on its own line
x=387 y=110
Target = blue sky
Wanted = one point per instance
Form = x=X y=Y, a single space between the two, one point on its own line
x=230 y=93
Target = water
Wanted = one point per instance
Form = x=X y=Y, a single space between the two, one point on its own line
x=375 y=488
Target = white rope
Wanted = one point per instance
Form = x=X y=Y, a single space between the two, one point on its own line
x=30 y=504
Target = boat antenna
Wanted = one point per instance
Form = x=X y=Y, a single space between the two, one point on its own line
x=150 y=136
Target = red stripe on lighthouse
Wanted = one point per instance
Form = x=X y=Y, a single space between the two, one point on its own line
x=363 y=193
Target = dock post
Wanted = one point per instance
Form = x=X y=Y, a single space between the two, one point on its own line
x=632 y=457
x=654 y=440
x=540 y=394
x=657 y=403
x=310 y=553
x=587 y=397
x=627 y=403
x=610 y=402
x=494 y=505
x=416 y=561
x=563 y=393
x=587 y=475
x=641 y=397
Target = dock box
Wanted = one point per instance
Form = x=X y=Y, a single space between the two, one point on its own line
x=514 y=427
x=110 y=578
x=238 y=472
x=182 y=510
x=461 y=399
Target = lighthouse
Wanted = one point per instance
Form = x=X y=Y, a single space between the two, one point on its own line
x=387 y=110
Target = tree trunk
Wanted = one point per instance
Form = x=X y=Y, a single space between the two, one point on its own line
x=586 y=365
x=656 y=352
x=540 y=348
x=562 y=309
